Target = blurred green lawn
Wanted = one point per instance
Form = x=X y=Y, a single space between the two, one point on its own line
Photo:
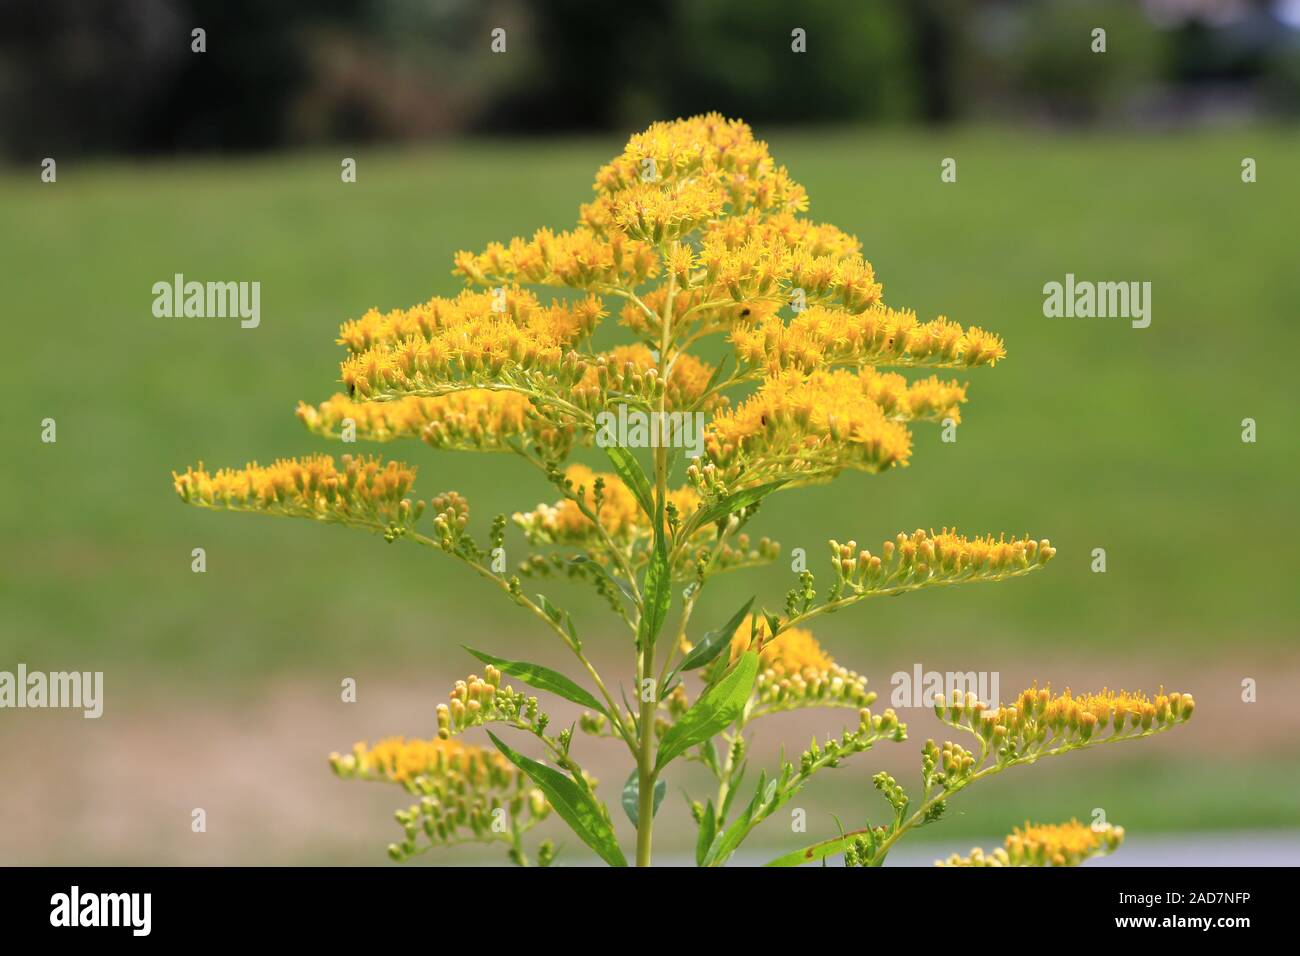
x=1091 y=433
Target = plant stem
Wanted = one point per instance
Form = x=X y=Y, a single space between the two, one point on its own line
x=615 y=714
x=650 y=706
x=645 y=768
x=646 y=664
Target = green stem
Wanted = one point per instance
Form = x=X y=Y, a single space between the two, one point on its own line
x=1028 y=759
x=615 y=714
x=887 y=590
x=646 y=774
x=725 y=781
x=645 y=769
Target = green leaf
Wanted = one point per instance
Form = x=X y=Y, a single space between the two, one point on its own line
x=551 y=611
x=773 y=624
x=636 y=723
x=818 y=851
x=629 y=469
x=717 y=708
x=725 y=844
x=632 y=796
x=708 y=830
x=543 y=678
x=712 y=643
x=584 y=561
x=737 y=779
x=709 y=754
x=656 y=595
x=734 y=502
x=579 y=809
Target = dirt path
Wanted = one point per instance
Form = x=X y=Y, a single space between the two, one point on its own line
x=123 y=788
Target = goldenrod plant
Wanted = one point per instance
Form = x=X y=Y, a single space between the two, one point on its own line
x=694 y=232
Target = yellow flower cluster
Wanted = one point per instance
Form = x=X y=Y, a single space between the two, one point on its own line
x=924 y=557
x=473 y=702
x=469 y=420
x=950 y=766
x=655 y=214
x=364 y=490
x=476 y=701
x=793 y=650
x=748 y=267
x=475 y=335
x=402 y=760
x=461 y=790
x=796 y=234
x=560 y=322
x=1046 y=844
x=690 y=305
x=711 y=150
x=757 y=269
x=818 y=423
x=626 y=369
x=620 y=514
x=819 y=337
x=580 y=259
x=1038 y=716
x=928 y=399
x=796 y=672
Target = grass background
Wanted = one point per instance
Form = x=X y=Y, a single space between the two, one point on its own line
x=1091 y=433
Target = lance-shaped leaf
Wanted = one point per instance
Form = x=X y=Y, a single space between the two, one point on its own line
x=711 y=644
x=629 y=469
x=759 y=807
x=581 y=560
x=549 y=609
x=656 y=595
x=577 y=807
x=718 y=707
x=819 y=851
x=543 y=678
x=708 y=830
x=734 y=502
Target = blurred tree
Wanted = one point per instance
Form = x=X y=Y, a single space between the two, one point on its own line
x=629 y=64
x=857 y=66
x=106 y=77
x=81 y=77
x=1058 y=72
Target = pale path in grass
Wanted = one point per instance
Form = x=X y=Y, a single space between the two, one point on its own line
x=122 y=789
